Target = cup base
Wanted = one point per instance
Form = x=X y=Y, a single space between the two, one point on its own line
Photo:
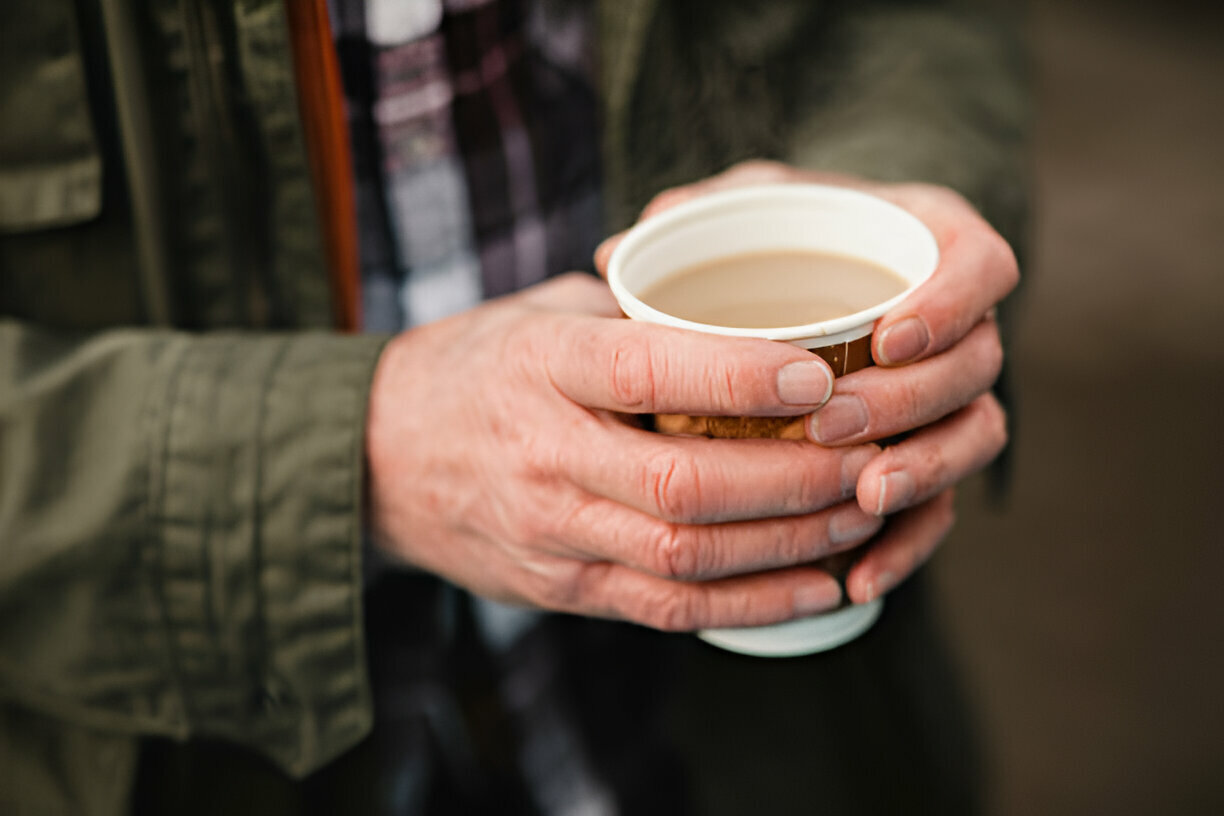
x=798 y=637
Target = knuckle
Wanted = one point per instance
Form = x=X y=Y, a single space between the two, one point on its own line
x=759 y=170
x=674 y=610
x=672 y=553
x=795 y=544
x=812 y=490
x=665 y=200
x=632 y=373
x=672 y=486
x=521 y=337
x=721 y=388
x=527 y=529
x=934 y=468
x=540 y=456
x=556 y=586
x=1003 y=259
x=528 y=348
x=911 y=403
x=564 y=520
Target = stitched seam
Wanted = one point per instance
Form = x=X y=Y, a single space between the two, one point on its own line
x=155 y=509
x=260 y=659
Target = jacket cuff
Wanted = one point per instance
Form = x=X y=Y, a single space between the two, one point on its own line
x=257 y=493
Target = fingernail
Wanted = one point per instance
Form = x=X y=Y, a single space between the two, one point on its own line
x=896 y=490
x=884 y=582
x=840 y=418
x=812 y=599
x=903 y=341
x=852 y=465
x=852 y=524
x=805 y=383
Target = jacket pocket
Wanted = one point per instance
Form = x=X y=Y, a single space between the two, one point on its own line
x=50 y=167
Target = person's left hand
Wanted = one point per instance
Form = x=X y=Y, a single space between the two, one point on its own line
x=938 y=353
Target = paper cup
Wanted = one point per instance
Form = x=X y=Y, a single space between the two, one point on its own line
x=772 y=218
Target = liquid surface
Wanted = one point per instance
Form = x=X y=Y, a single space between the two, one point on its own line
x=768 y=290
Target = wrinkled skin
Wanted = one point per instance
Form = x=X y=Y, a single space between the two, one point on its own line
x=504 y=454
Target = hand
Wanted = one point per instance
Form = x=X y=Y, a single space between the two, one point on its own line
x=503 y=455
x=938 y=354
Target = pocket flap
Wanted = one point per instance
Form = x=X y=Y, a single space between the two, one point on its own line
x=50 y=169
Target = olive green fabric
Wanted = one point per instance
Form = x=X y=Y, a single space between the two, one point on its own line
x=895 y=91
x=181 y=437
x=180 y=510
x=50 y=171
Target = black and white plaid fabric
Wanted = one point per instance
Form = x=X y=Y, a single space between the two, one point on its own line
x=474 y=125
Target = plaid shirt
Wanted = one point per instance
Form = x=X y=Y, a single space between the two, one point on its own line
x=474 y=125
x=475 y=146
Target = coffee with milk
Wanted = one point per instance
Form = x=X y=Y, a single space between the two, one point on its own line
x=765 y=290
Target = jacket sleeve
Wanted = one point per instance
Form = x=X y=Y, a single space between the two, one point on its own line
x=893 y=90
x=934 y=91
x=180 y=534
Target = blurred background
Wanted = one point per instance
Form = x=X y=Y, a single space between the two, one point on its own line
x=1087 y=615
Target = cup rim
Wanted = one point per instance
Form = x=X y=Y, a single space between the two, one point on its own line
x=698 y=208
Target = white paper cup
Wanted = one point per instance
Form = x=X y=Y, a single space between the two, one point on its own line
x=799 y=217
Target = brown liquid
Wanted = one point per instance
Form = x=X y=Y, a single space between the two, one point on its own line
x=767 y=290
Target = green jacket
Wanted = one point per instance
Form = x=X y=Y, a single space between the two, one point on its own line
x=180 y=428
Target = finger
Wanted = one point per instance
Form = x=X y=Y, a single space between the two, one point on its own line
x=635 y=367
x=603 y=530
x=934 y=458
x=876 y=402
x=573 y=292
x=976 y=270
x=616 y=591
x=703 y=481
x=603 y=252
x=906 y=543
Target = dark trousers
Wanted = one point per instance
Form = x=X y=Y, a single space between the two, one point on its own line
x=641 y=722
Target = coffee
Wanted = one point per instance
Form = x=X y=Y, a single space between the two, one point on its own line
x=765 y=290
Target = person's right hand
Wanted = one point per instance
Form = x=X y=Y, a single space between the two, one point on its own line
x=503 y=456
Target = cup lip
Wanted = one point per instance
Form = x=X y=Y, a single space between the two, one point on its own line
x=698 y=208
